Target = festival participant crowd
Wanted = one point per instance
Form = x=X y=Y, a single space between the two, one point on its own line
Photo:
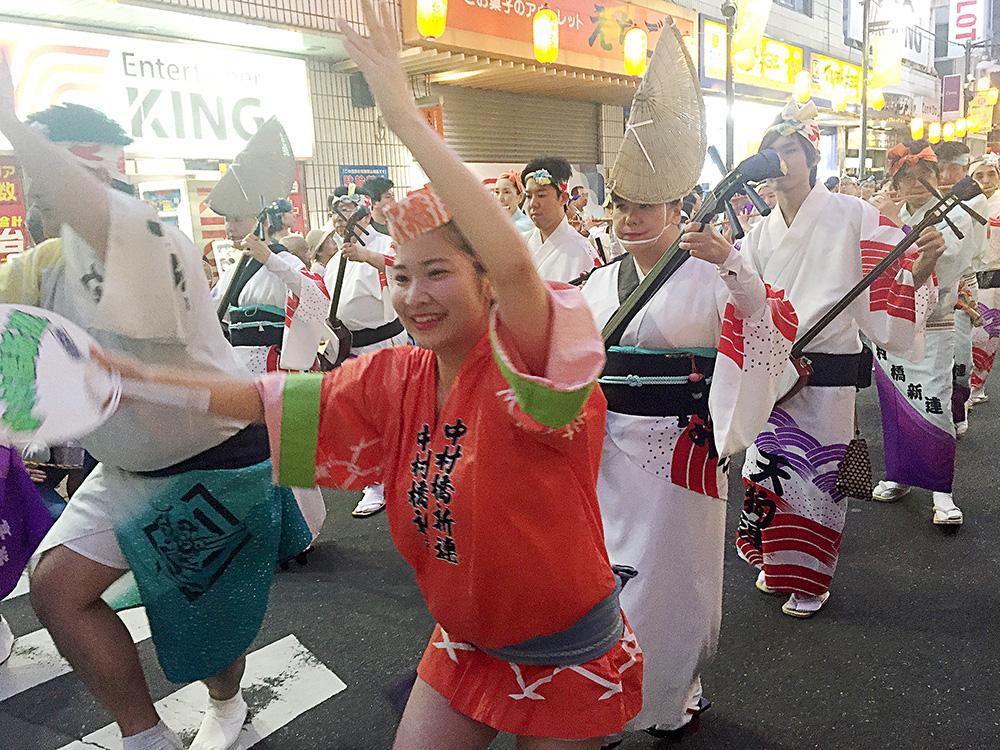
x=442 y=353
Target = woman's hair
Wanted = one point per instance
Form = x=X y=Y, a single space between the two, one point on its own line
x=812 y=155
x=456 y=238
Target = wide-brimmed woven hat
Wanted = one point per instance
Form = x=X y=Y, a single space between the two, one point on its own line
x=663 y=152
x=262 y=174
x=316 y=237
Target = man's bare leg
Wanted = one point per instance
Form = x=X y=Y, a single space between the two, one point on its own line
x=66 y=590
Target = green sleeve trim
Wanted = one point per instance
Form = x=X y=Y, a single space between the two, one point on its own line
x=300 y=406
x=541 y=402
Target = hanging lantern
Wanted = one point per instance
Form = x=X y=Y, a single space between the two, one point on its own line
x=431 y=17
x=934 y=132
x=545 y=30
x=803 y=86
x=636 y=44
x=917 y=128
x=877 y=99
x=972 y=125
x=948 y=131
x=961 y=126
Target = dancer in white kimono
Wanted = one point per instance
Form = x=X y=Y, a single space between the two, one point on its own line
x=986 y=337
x=366 y=309
x=279 y=308
x=918 y=418
x=559 y=252
x=815 y=247
x=690 y=383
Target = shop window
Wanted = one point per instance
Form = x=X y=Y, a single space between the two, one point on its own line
x=805 y=7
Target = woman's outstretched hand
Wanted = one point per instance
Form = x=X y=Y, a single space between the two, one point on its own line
x=377 y=55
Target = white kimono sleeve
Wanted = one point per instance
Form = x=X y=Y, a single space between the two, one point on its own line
x=306 y=311
x=891 y=313
x=758 y=328
x=151 y=283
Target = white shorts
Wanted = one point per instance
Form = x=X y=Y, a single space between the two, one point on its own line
x=87 y=526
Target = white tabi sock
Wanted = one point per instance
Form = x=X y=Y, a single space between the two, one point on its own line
x=222 y=724
x=943 y=501
x=155 y=738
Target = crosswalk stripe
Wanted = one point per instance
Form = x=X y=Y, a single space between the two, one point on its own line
x=283 y=680
x=35 y=659
x=21 y=589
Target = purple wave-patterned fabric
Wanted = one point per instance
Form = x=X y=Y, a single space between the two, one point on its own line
x=810 y=460
x=991 y=320
x=24 y=520
x=917 y=453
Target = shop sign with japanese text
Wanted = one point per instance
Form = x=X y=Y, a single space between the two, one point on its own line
x=828 y=73
x=591 y=35
x=772 y=65
x=175 y=99
x=13 y=227
x=357 y=175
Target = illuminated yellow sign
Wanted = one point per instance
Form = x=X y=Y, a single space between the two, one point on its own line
x=771 y=65
x=831 y=77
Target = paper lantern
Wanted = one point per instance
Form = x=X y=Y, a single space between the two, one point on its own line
x=877 y=99
x=636 y=44
x=431 y=17
x=961 y=126
x=803 y=86
x=545 y=32
x=948 y=131
x=917 y=128
x=934 y=132
x=972 y=125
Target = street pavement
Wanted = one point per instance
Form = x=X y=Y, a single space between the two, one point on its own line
x=903 y=656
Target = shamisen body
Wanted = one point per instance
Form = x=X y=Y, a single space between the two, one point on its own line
x=488 y=437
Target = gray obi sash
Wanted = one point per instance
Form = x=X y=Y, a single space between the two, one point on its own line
x=587 y=639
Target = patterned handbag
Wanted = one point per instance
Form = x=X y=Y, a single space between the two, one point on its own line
x=854 y=475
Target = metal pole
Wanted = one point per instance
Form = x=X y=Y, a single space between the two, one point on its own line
x=729 y=10
x=865 y=57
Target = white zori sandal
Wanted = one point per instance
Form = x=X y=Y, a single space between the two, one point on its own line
x=802 y=606
x=889 y=492
x=762 y=586
x=946 y=513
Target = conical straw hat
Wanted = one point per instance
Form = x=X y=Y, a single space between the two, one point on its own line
x=262 y=173
x=661 y=157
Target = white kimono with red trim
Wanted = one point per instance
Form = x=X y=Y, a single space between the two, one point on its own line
x=986 y=338
x=285 y=281
x=793 y=515
x=662 y=486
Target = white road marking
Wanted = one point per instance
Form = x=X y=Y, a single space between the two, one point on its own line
x=282 y=681
x=35 y=659
x=21 y=589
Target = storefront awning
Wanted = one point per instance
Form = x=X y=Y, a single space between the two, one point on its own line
x=498 y=74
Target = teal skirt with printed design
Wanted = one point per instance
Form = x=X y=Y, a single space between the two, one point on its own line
x=203 y=548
